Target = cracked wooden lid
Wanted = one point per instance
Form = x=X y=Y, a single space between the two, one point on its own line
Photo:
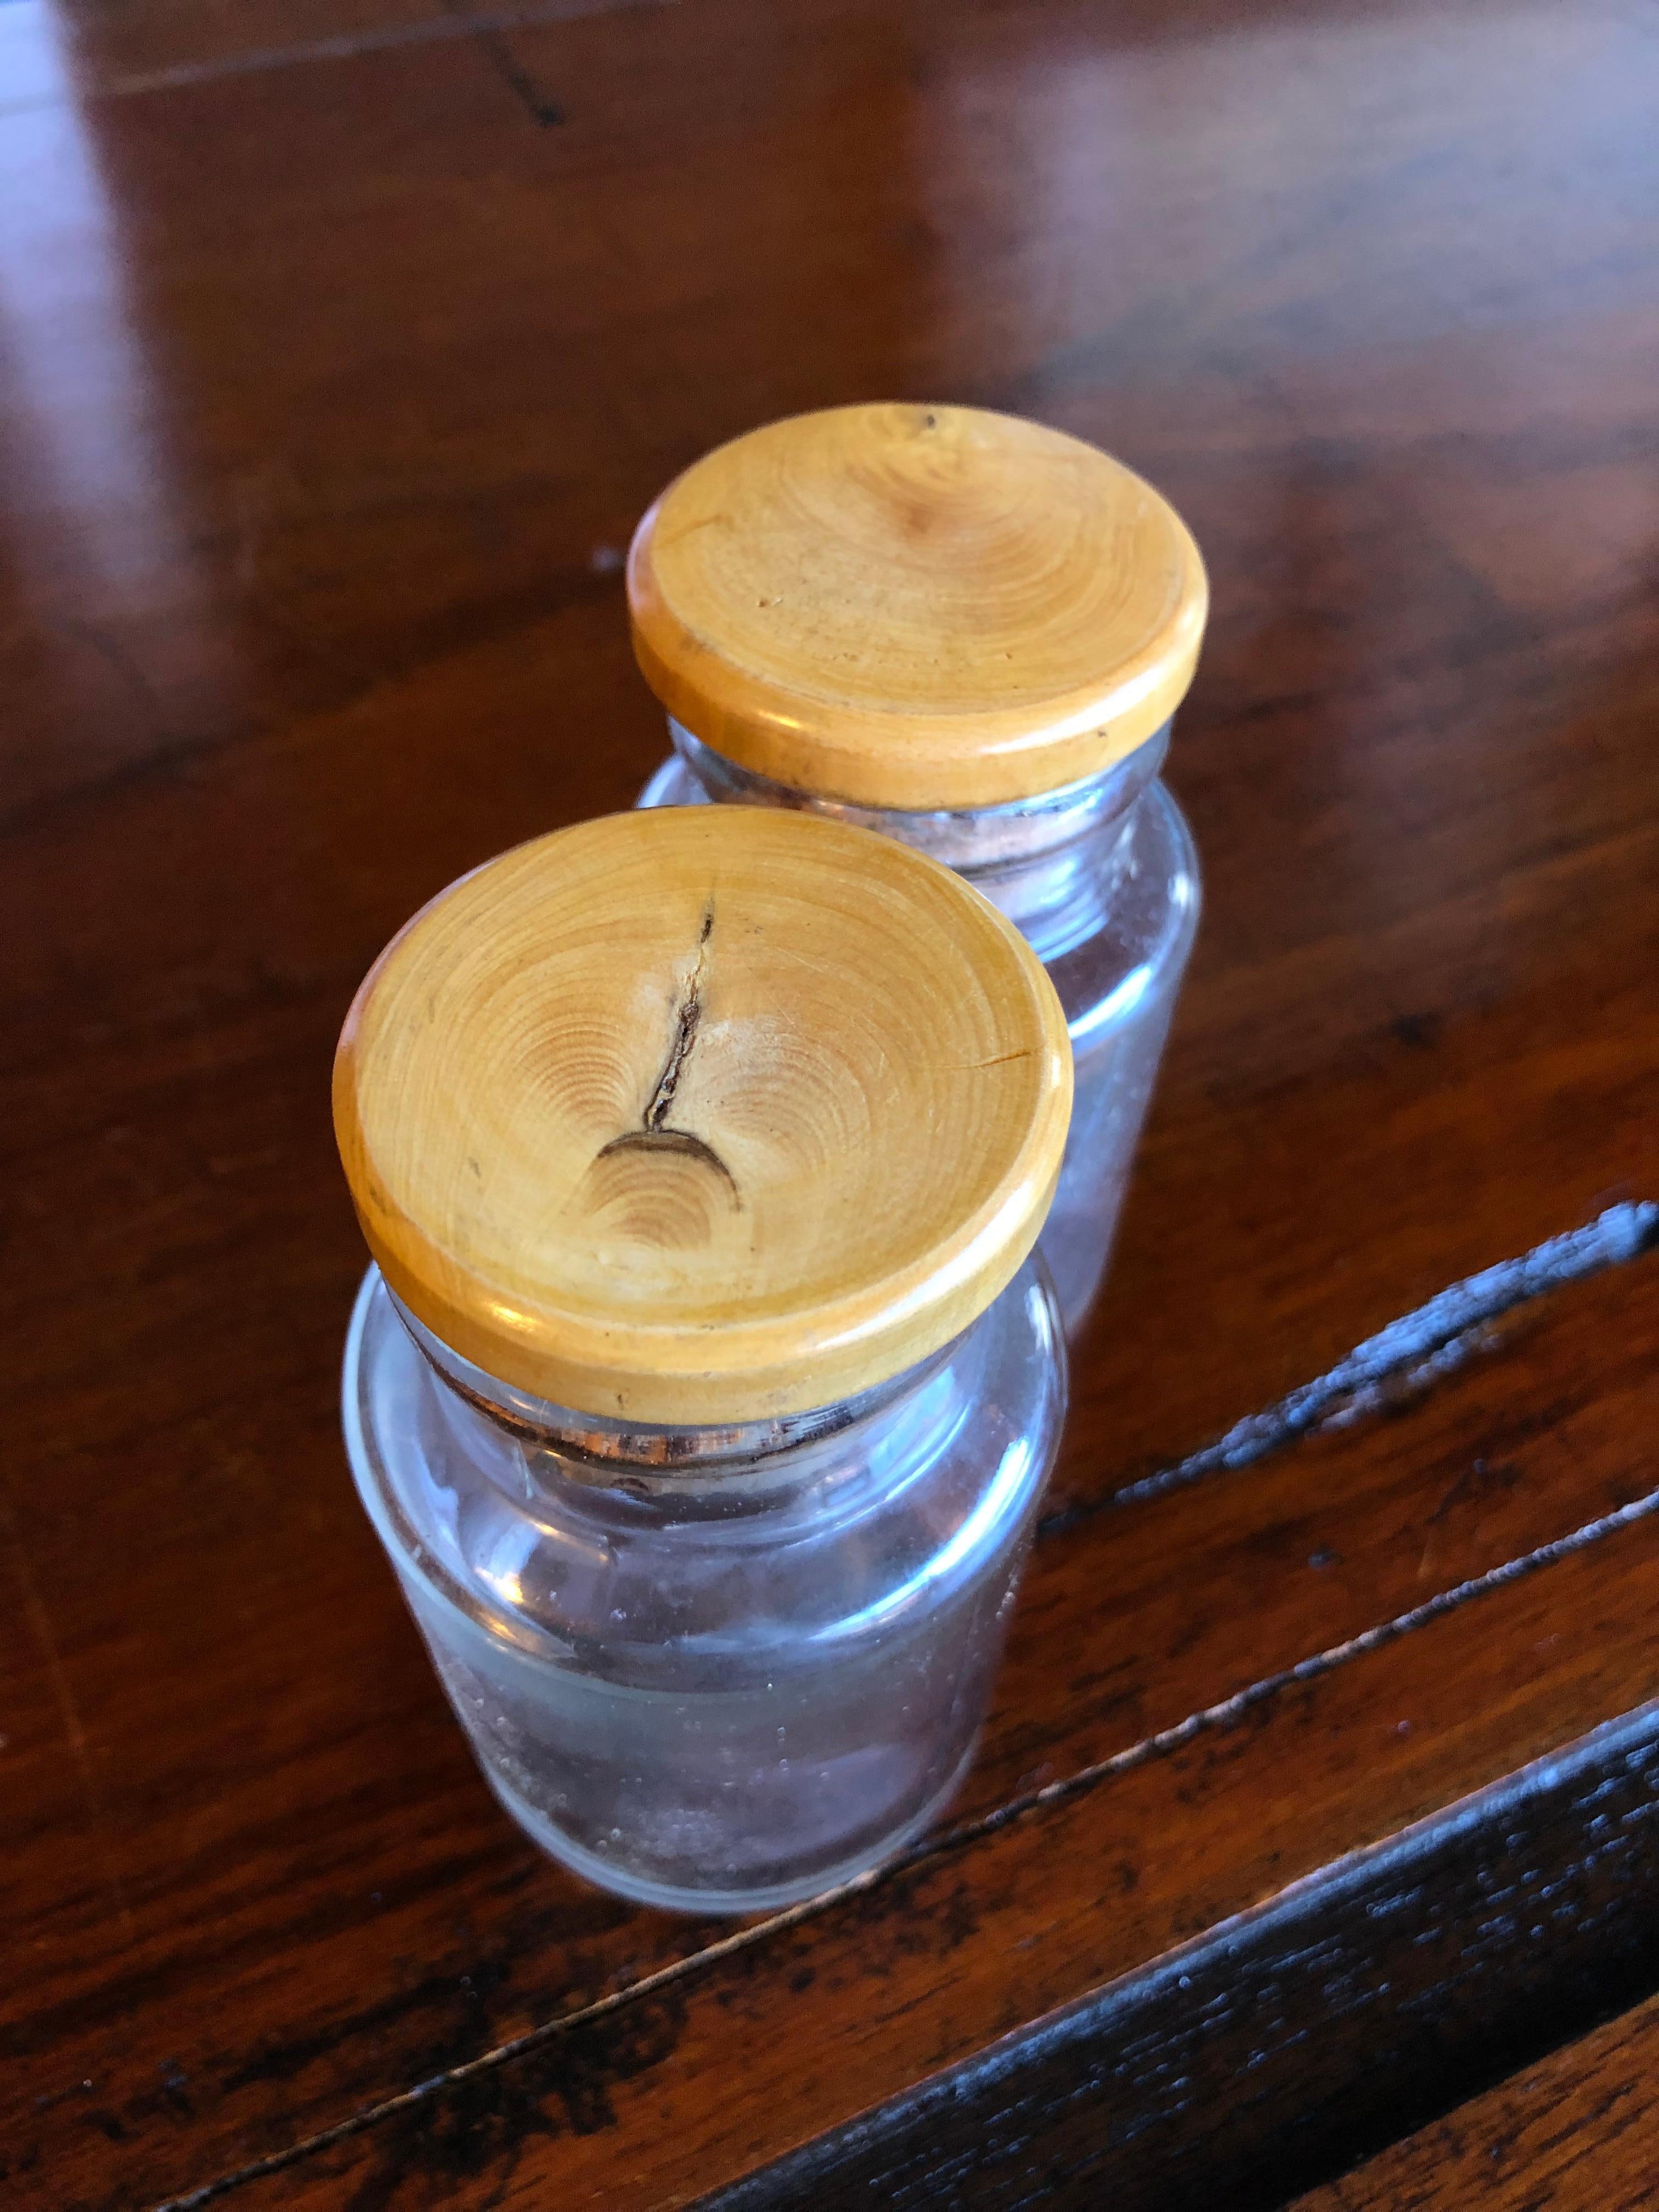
x=702 y=1114
x=916 y=607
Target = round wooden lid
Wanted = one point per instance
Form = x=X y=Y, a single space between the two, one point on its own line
x=702 y=1114
x=916 y=607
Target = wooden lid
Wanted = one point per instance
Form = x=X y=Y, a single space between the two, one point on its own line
x=702 y=1114
x=916 y=607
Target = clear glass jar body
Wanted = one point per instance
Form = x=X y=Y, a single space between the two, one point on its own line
x=1102 y=878
x=714 y=1670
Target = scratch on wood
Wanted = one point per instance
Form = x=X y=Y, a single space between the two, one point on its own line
x=493 y=43
x=1410 y=1354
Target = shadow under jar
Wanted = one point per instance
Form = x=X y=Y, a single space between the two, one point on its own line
x=969 y=633
x=706 y=1381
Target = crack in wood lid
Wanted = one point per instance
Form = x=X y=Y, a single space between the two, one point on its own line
x=702 y=1114
x=916 y=607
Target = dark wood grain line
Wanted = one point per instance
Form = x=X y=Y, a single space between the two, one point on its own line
x=491 y=40
x=527 y=88
x=1164 y=1743
x=742 y=1939
x=1411 y=1354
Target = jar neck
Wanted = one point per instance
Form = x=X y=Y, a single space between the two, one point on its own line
x=536 y=1452
x=1052 y=863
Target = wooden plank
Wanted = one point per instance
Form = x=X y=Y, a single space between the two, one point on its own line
x=1575 y=2131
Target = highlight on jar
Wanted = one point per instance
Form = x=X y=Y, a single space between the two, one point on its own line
x=706 y=1378
x=968 y=632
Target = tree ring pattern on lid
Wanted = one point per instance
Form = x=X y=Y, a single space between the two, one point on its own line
x=916 y=607
x=702 y=1114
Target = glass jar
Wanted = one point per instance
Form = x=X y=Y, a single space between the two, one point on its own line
x=709 y=1488
x=713 y=1669
x=1101 y=878
x=835 y=603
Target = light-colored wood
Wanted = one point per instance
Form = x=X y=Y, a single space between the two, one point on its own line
x=702 y=1114
x=916 y=607
x=1577 y=2132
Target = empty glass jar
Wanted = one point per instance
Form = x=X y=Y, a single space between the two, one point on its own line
x=713 y=1669
x=706 y=1384
x=968 y=633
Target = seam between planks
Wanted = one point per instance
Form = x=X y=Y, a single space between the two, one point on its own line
x=1436 y=1337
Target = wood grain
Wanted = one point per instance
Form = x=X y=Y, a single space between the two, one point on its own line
x=1285 y=2041
x=1575 y=2131
x=316 y=488
x=473 y=1941
x=916 y=606
x=703 y=1116
x=1143 y=1838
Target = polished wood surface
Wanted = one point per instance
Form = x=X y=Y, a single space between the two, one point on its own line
x=704 y=1114
x=916 y=606
x=1576 y=2133
x=341 y=351
x=1294 y=2038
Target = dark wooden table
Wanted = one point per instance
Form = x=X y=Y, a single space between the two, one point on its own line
x=342 y=343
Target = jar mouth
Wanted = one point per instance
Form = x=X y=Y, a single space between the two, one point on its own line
x=974 y=842
x=590 y=1446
